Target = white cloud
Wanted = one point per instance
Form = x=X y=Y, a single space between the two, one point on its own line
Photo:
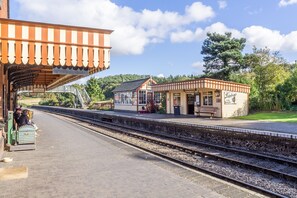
x=133 y=29
x=284 y=3
x=198 y=12
x=161 y=76
x=185 y=36
x=273 y=39
x=255 y=35
x=200 y=34
x=264 y=37
x=222 y=4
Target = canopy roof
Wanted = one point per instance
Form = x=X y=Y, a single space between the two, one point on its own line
x=202 y=83
x=130 y=85
x=49 y=55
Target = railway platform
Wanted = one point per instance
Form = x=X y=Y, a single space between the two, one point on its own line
x=267 y=126
x=71 y=161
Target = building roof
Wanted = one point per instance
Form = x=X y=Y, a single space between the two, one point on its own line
x=42 y=55
x=202 y=83
x=130 y=85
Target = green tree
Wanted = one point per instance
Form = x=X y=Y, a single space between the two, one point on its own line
x=269 y=70
x=287 y=92
x=222 y=55
x=94 y=90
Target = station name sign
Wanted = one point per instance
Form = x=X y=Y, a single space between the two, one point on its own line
x=71 y=70
x=38 y=90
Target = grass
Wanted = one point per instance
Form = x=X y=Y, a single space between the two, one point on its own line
x=29 y=101
x=272 y=116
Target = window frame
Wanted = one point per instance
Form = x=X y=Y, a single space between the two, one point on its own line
x=142 y=97
x=207 y=98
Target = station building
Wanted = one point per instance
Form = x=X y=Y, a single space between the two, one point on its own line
x=40 y=56
x=134 y=95
x=227 y=99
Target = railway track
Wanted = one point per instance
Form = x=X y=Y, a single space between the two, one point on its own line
x=283 y=169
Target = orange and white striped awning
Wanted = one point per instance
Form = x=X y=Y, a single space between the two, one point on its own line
x=36 y=48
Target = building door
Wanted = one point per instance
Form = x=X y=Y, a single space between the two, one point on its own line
x=190 y=103
x=149 y=97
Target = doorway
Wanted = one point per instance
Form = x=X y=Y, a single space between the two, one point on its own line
x=190 y=103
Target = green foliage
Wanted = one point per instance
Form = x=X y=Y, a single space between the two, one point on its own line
x=287 y=92
x=222 y=55
x=49 y=99
x=162 y=108
x=65 y=99
x=94 y=89
x=58 y=99
x=272 y=80
x=270 y=72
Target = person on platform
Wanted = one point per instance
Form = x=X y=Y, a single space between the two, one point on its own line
x=16 y=116
x=24 y=119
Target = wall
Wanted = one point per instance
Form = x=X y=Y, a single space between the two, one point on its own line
x=125 y=107
x=237 y=108
x=217 y=102
x=170 y=103
x=4 y=12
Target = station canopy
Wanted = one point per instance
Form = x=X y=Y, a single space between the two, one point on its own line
x=45 y=56
x=202 y=83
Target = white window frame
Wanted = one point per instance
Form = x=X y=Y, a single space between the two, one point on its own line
x=208 y=95
x=141 y=93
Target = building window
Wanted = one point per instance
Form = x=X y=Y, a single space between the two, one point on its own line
x=142 y=97
x=157 y=97
x=176 y=99
x=123 y=98
x=207 y=98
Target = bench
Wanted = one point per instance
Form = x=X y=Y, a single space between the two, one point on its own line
x=210 y=110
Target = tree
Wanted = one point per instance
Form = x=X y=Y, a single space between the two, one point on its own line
x=287 y=92
x=222 y=55
x=270 y=71
x=94 y=90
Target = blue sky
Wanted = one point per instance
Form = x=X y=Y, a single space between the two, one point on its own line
x=164 y=37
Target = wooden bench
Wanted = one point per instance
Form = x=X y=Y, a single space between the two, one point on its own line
x=209 y=110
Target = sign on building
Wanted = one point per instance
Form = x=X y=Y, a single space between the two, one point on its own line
x=229 y=98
